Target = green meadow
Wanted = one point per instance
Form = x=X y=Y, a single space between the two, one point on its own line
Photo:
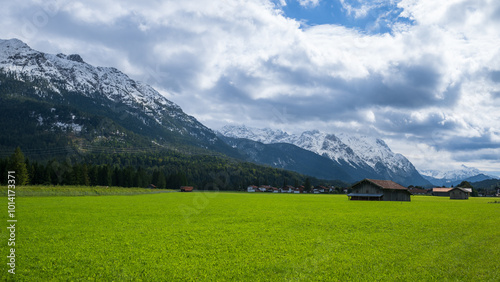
x=252 y=237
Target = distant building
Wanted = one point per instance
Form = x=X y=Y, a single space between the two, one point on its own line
x=418 y=191
x=379 y=190
x=151 y=186
x=265 y=188
x=459 y=193
x=186 y=188
x=442 y=192
x=252 y=188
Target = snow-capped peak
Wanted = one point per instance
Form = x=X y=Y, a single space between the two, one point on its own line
x=75 y=75
x=266 y=135
x=462 y=173
x=354 y=150
x=71 y=74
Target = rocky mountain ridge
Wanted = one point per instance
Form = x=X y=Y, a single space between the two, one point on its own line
x=358 y=156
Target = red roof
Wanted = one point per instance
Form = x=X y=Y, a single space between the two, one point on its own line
x=385 y=184
x=186 y=188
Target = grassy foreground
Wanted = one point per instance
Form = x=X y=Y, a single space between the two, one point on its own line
x=39 y=191
x=253 y=237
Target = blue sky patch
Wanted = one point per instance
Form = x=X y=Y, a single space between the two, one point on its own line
x=372 y=17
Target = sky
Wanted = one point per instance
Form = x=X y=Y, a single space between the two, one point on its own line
x=422 y=75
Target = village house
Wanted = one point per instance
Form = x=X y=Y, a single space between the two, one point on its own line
x=262 y=188
x=320 y=189
x=379 y=190
x=271 y=189
x=252 y=188
x=459 y=193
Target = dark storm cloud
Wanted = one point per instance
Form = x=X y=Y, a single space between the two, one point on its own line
x=484 y=141
x=402 y=122
x=314 y=96
x=477 y=156
x=495 y=76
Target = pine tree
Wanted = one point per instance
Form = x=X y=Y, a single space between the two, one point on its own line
x=85 y=179
x=47 y=178
x=162 y=183
x=18 y=165
x=93 y=175
x=155 y=178
x=104 y=176
x=307 y=185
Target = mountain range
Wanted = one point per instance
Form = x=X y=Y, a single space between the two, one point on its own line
x=52 y=102
x=455 y=177
x=342 y=156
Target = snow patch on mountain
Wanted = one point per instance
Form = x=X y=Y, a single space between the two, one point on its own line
x=70 y=73
x=453 y=175
x=354 y=150
x=375 y=151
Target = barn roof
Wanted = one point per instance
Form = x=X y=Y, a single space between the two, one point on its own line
x=384 y=184
x=466 y=190
x=441 y=189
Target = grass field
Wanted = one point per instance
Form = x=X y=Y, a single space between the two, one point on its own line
x=253 y=237
x=42 y=191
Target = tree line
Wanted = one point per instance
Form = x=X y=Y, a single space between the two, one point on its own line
x=165 y=169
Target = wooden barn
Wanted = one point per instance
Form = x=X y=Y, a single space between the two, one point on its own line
x=186 y=188
x=459 y=193
x=442 y=192
x=379 y=190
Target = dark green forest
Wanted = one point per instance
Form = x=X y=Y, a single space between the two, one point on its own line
x=164 y=169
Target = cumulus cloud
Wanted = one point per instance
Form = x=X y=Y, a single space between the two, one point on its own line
x=433 y=81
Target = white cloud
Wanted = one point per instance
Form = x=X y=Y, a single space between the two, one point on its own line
x=423 y=85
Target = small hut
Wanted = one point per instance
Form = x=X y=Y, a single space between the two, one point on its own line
x=379 y=190
x=186 y=188
x=459 y=193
